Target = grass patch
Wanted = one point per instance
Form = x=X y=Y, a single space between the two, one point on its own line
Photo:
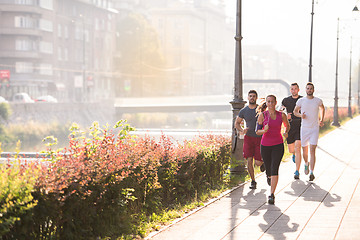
x=328 y=127
x=158 y=220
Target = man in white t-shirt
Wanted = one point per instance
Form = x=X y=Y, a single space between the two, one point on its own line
x=308 y=109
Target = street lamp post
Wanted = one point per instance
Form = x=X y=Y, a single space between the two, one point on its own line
x=355 y=9
x=238 y=102
x=358 y=94
x=349 y=103
x=311 y=40
x=336 y=98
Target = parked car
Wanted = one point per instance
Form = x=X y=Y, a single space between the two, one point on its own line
x=3 y=100
x=46 y=98
x=22 y=98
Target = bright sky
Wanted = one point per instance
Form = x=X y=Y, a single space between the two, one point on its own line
x=285 y=25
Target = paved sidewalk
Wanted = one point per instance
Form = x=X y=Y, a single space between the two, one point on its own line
x=328 y=208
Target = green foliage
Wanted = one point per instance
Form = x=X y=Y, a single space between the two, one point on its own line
x=5 y=111
x=31 y=135
x=103 y=184
x=16 y=185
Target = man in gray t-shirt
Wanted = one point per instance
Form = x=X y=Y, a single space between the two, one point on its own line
x=251 y=147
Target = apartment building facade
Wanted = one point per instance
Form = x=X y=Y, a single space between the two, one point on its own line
x=57 y=47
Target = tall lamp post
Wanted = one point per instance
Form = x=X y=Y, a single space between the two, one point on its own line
x=336 y=98
x=238 y=102
x=358 y=93
x=311 y=40
x=349 y=102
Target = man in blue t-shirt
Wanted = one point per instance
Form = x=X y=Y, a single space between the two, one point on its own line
x=251 y=147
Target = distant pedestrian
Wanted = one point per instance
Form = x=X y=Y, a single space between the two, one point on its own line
x=272 y=143
x=309 y=133
x=293 y=140
x=251 y=147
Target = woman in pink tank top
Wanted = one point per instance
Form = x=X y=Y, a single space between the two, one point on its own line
x=272 y=143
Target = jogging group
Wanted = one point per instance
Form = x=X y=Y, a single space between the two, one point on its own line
x=298 y=121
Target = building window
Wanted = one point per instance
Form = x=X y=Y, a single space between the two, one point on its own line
x=97 y=24
x=66 y=32
x=24 y=22
x=46 y=25
x=47 y=4
x=25 y=2
x=59 y=54
x=59 y=30
x=46 y=47
x=24 y=67
x=78 y=33
x=46 y=69
x=23 y=45
x=66 y=54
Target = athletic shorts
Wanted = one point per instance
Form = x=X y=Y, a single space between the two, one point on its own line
x=309 y=136
x=251 y=148
x=294 y=133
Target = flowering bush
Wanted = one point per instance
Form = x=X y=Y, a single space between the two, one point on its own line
x=98 y=185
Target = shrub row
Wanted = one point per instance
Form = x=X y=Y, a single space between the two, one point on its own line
x=100 y=185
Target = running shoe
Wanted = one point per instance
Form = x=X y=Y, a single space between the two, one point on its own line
x=262 y=167
x=253 y=185
x=296 y=174
x=293 y=158
x=271 y=199
x=306 y=169
x=268 y=181
x=312 y=177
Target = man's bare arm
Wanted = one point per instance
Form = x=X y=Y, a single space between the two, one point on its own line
x=322 y=114
x=238 y=122
x=297 y=111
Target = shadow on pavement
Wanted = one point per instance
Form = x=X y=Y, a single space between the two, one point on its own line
x=252 y=201
x=277 y=223
x=313 y=192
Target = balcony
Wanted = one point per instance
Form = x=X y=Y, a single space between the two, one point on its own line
x=20 y=31
x=19 y=54
x=20 y=8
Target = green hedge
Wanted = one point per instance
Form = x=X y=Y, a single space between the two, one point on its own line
x=104 y=184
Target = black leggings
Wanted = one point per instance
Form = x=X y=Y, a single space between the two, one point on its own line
x=272 y=156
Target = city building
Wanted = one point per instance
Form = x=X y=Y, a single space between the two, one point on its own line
x=57 y=47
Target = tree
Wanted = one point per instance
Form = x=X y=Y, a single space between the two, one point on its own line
x=140 y=63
